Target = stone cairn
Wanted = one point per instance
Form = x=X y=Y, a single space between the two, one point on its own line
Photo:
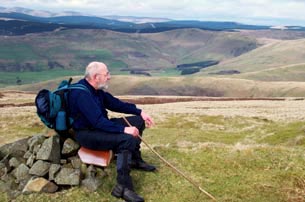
x=45 y=164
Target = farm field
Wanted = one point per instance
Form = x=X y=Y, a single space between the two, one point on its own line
x=237 y=150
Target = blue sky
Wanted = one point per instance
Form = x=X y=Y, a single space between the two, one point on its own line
x=264 y=12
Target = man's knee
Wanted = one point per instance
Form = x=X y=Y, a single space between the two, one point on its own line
x=128 y=143
x=138 y=122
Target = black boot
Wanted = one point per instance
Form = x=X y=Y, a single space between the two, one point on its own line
x=128 y=195
x=138 y=163
x=124 y=187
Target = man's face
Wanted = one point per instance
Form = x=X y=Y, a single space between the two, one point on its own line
x=102 y=79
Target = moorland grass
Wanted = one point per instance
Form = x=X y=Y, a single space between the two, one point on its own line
x=233 y=158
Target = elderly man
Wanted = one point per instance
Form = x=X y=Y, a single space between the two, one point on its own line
x=94 y=130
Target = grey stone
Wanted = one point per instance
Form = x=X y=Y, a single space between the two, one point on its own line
x=76 y=162
x=22 y=184
x=5 y=159
x=21 y=172
x=68 y=176
x=27 y=154
x=50 y=150
x=4 y=166
x=3 y=169
x=91 y=171
x=40 y=168
x=35 y=141
x=36 y=148
x=39 y=185
x=91 y=184
x=39 y=165
x=14 y=162
x=15 y=149
x=30 y=160
x=54 y=168
x=70 y=147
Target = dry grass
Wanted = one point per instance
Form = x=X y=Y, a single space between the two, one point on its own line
x=18 y=121
x=238 y=150
x=187 y=86
x=286 y=110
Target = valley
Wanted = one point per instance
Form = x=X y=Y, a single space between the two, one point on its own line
x=240 y=60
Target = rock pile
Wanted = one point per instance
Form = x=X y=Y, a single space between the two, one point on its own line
x=45 y=164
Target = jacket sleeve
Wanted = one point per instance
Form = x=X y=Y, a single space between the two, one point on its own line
x=114 y=104
x=93 y=114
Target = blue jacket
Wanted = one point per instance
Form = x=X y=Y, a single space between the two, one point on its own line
x=89 y=109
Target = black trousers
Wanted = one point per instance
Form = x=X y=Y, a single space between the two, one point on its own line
x=99 y=140
x=126 y=146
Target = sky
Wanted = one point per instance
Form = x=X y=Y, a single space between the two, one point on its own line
x=258 y=12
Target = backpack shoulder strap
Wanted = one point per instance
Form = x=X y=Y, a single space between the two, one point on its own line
x=76 y=86
x=79 y=87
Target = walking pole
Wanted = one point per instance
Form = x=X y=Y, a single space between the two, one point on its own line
x=170 y=165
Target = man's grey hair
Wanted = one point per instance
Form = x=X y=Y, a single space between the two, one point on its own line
x=93 y=68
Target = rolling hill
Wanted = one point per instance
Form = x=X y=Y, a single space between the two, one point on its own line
x=35 y=49
x=277 y=61
x=186 y=86
x=66 y=52
x=73 y=49
x=27 y=23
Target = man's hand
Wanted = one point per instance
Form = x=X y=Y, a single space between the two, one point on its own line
x=148 y=120
x=132 y=131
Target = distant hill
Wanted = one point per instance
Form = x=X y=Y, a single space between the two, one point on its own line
x=28 y=23
x=36 y=47
x=249 y=54
x=128 y=24
x=73 y=49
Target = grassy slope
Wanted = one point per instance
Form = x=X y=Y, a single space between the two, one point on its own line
x=275 y=61
x=74 y=48
x=159 y=53
x=194 y=86
x=294 y=72
x=235 y=158
x=280 y=60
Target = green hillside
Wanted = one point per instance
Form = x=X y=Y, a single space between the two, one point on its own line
x=282 y=73
x=277 y=61
x=72 y=49
x=40 y=57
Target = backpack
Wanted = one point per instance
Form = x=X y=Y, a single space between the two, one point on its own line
x=53 y=107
